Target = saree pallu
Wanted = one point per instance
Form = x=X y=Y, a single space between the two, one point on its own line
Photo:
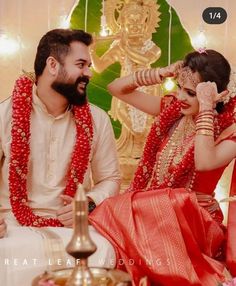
x=231 y=229
x=164 y=235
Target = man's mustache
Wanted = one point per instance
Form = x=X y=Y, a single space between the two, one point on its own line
x=84 y=79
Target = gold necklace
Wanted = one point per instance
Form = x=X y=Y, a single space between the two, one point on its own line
x=176 y=147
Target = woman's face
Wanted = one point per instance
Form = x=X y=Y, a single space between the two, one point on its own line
x=187 y=83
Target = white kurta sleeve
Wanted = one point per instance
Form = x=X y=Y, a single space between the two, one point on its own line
x=104 y=164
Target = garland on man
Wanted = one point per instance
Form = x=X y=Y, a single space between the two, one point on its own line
x=20 y=151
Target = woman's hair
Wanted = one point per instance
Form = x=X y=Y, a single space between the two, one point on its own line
x=212 y=66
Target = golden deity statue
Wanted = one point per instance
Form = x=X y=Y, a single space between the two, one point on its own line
x=131 y=23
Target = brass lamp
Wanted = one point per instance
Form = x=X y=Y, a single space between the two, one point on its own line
x=81 y=245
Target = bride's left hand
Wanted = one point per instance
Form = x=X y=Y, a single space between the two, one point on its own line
x=208 y=95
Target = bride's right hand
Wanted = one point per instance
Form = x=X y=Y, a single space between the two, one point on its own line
x=171 y=70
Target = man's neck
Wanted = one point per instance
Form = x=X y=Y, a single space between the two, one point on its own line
x=55 y=103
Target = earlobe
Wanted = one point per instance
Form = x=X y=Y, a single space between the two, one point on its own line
x=53 y=65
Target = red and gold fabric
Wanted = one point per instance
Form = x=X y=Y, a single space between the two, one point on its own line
x=168 y=226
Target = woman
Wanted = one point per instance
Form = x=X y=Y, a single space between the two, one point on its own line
x=172 y=232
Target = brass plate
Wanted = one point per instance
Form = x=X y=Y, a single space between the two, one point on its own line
x=102 y=277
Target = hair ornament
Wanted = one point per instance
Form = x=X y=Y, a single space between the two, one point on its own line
x=202 y=51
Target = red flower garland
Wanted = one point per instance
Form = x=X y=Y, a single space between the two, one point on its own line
x=20 y=150
x=158 y=132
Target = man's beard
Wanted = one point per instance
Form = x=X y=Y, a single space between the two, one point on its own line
x=70 y=90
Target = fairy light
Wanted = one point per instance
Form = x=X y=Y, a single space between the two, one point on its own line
x=64 y=22
x=169 y=84
x=8 y=45
x=200 y=40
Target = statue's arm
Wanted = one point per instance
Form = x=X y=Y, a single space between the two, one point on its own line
x=107 y=59
x=143 y=58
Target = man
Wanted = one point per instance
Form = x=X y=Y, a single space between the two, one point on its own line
x=52 y=139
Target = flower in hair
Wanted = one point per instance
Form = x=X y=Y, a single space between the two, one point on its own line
x=202 y=51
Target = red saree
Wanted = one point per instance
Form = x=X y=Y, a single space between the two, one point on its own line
x=168 y=227
x=162 y=234
x=231 y=233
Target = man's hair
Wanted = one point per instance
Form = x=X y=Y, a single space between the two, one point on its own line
x=56 y=43
x=212 y=66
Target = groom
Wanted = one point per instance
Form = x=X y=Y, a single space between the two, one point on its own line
x=51 y=139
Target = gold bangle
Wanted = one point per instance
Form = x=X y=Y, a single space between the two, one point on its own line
x=205 y=116
x=148 y=77
x=152 y=76
x=135 y=82
x=157 y=76
x=205 y=132
x=209 y=129
x=206 y=113
x=139 y=81
x=204 y=123
x=204 y=127
x=142 y=79
x=203 y=119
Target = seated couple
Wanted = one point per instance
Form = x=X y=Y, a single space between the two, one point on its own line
x=167 y=226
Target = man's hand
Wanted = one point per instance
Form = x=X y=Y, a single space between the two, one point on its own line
x=3 y=227
x=65 y=214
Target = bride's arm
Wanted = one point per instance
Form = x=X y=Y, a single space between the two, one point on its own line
x=125 y=88
x=209 y=154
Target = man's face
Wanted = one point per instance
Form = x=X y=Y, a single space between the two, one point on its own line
x=74 y=74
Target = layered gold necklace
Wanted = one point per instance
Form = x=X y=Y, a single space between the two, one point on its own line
x=177 y=146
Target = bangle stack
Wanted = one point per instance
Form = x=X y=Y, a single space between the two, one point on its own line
x=146 y=77
x=204 y=123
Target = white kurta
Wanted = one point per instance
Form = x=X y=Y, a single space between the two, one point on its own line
x=51 y=145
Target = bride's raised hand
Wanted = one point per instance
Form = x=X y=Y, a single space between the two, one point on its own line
x=208 y=95
x=171 y=70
